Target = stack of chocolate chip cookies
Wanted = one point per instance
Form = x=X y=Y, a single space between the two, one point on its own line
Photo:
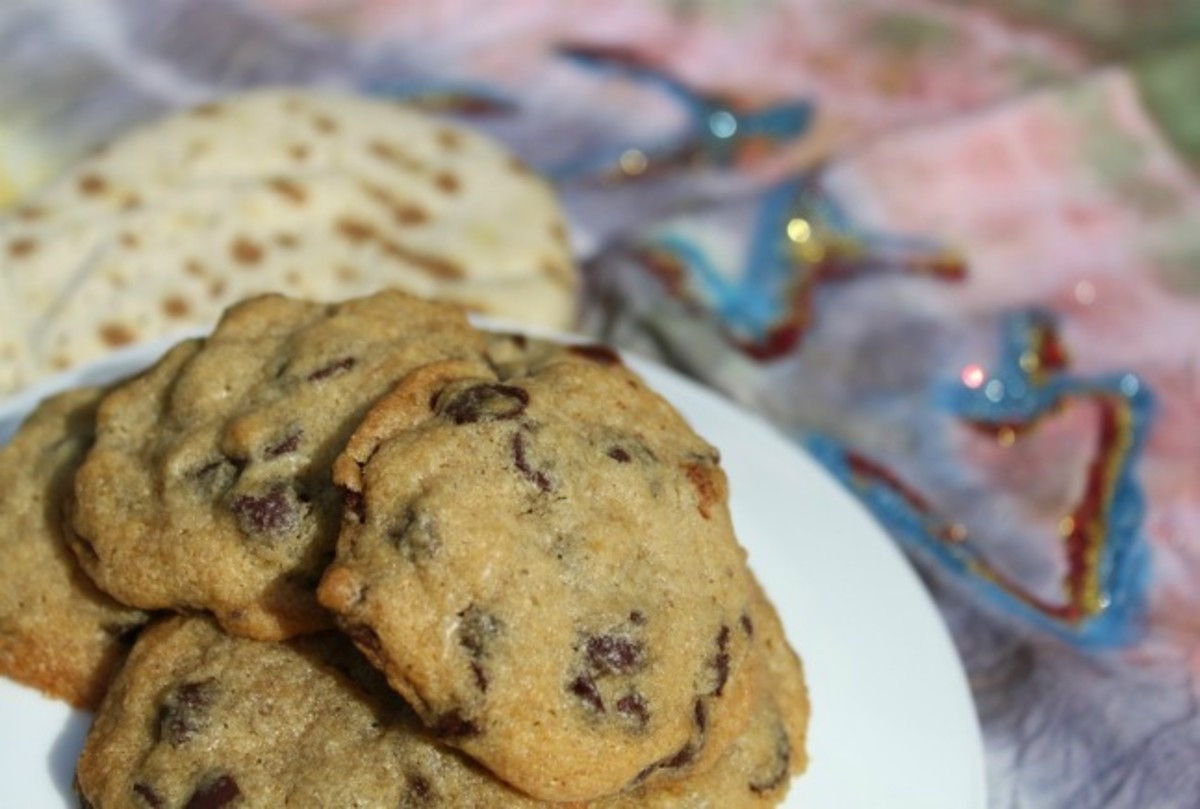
x=367 y=555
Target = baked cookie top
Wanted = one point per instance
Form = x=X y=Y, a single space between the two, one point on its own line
x=538 y=553
x=209 y=483
x=58 y=632
x=200 y=718
x=317 y=194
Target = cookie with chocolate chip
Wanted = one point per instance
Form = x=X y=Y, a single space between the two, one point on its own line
x=58 y=633
x=538 y=553
x=199 y=718
x=757 y=768
x=209 y=483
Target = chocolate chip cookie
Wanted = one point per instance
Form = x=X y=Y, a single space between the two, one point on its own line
x=58 y=632
x=201 y=719
x=538 y=553
x=209 y=483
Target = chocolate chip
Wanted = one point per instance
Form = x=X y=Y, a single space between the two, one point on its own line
x=535 y=476
x=334 y=368
x=682 y=757
x=288 y=444
x=196 y=695
x=148 y=795
x=481 y=680
x=365 y=638
x=220 y=791
x=747 y=625
x=355 y=505
x=619 y=455
x=420 y=791
x=415 y=535
x=486 y=402
x=454 y=725
x=780 y=766
x=477 y=629
x=270 y=513
x=637 y=618
x=614 y=654
x=700 y=714
x=585 y=688
x=184 y=712
x=720 y=662
x=634 y=705
x=597 y=353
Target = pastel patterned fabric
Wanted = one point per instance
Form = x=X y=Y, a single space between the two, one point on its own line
x=952 y=248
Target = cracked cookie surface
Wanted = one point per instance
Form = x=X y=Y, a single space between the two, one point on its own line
x=537 y=551
x=209 y=486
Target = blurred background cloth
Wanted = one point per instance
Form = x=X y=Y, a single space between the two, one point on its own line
x=951 y=247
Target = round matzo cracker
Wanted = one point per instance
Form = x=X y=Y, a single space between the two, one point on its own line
x=313 y=194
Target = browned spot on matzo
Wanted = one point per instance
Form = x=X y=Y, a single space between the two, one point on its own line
x=175 y=306
x=432 y=265
x=92 y=185
x=245 y=251
x=393 y=154
x=403 y=212
x=289 y=190
x=116 y=334
x=355 y=230
x=19 y=248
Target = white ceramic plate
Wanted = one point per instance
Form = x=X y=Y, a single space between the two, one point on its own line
x=892 y=725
